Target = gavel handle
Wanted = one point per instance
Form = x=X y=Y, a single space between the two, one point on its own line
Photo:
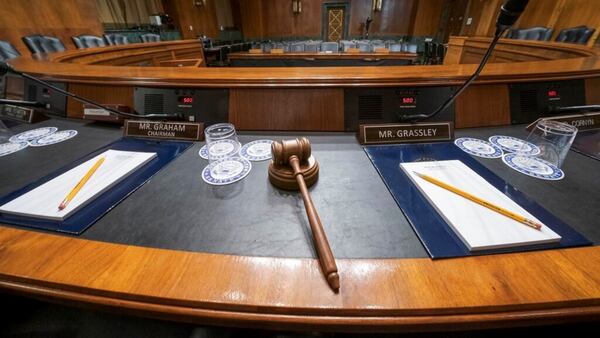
x=326 y=258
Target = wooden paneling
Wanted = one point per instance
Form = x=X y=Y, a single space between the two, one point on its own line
x=287 y=109
x=60 y=18
x=194 y=21
x=274 y=18
x=483 y=105
x=395 y=18
x=102 y=94
x=483 y=14
x=427 y=17
x=592 y=91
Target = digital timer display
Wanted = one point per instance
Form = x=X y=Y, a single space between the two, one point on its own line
x=552 y=93
x=408 y=100
x=185 y=99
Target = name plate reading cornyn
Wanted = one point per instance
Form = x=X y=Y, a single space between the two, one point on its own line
x=587 y=121
x=165 y=130
x=405 y=132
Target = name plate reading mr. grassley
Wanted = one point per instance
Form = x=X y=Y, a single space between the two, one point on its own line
x=405 y=133
x=165 y=130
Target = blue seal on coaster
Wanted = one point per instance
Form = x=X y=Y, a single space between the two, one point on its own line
x=32 y=134
x=258 y=150
x=203 y=152
x=533 y=166
x=514 y=145
x=478 y=147
x=12 y=147
x=53 y=138
x=226 y=171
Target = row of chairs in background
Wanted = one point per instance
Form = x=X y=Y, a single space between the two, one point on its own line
x=579 y=34
x=315 y=46
x=49 y=44
x=433 y=53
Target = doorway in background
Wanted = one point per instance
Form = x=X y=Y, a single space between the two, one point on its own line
x=335 y=20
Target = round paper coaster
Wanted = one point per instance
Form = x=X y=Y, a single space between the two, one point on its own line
x=478 y=147
x=32 y=134
x=533 y=166
x=11 y=147
x=203 y=152
x=226 y=171
x=220 y=149
x=513 y=144
x=53 y=138
x=258 y=150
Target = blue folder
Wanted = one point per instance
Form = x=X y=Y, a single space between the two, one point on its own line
x=82 y=219
x=439 y=239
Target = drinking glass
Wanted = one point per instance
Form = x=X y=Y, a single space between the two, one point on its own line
x=553 y=139
x=221 y=142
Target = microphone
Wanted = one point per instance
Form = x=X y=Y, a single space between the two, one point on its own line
x=509 y=13
x=6 y=68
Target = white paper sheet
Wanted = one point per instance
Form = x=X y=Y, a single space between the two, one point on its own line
x=477 y=226
x=43 y=201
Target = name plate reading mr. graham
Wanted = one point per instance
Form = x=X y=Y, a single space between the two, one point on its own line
x=165 y=130
x=405 y=132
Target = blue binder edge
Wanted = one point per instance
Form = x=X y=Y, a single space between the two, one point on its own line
x=78 y=222
x=437 y=237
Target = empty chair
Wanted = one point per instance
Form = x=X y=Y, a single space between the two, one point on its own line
x=345 y=44
x=364 y=47
x=311 y=47
x=7 y=51
x=150 y=37
x=427 y=52
x=411 y=47
x=266 y=47
x=43 y=44
x=297 y=47
x=116 y=39
x=330 y=47
x=579 y=34
x=533 y=33
x=440 y=53
x=395 y=47
x=88 y=41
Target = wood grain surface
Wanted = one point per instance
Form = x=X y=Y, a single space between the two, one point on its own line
x=50 y=68
x=552 y=286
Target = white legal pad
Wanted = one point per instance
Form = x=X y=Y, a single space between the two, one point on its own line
x=477 y=226
x=43 y=201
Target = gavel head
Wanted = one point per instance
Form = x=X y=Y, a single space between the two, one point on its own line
x=282 y=150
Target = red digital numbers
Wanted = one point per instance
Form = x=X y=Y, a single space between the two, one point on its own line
x=552 y=93
x=187 y=100
x=408 y=100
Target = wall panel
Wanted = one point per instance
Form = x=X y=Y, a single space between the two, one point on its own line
x=60 y=18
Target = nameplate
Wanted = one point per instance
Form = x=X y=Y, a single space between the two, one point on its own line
x=165 y=130
x=21 y=114
x=587 y=121
x=390 y=133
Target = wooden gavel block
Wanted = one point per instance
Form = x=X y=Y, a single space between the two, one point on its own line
x=294 y=168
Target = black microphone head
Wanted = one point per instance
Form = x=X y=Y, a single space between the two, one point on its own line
x=510 y=13
x=5 y=68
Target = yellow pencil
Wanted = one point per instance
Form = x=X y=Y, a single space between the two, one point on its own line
x=478 y=200
x=81 y=183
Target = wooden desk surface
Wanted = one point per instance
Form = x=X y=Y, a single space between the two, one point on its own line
x=551 y=286
x=92 y=66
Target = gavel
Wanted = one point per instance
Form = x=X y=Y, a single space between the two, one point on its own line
x=294 y=168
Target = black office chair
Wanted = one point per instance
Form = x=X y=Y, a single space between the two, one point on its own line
x=440 y=53
x=579 y=34
x=43 y=44
x=88 y=41
x=533 y=33
x=150 y=37
x=116 y=39
x=7 y=51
